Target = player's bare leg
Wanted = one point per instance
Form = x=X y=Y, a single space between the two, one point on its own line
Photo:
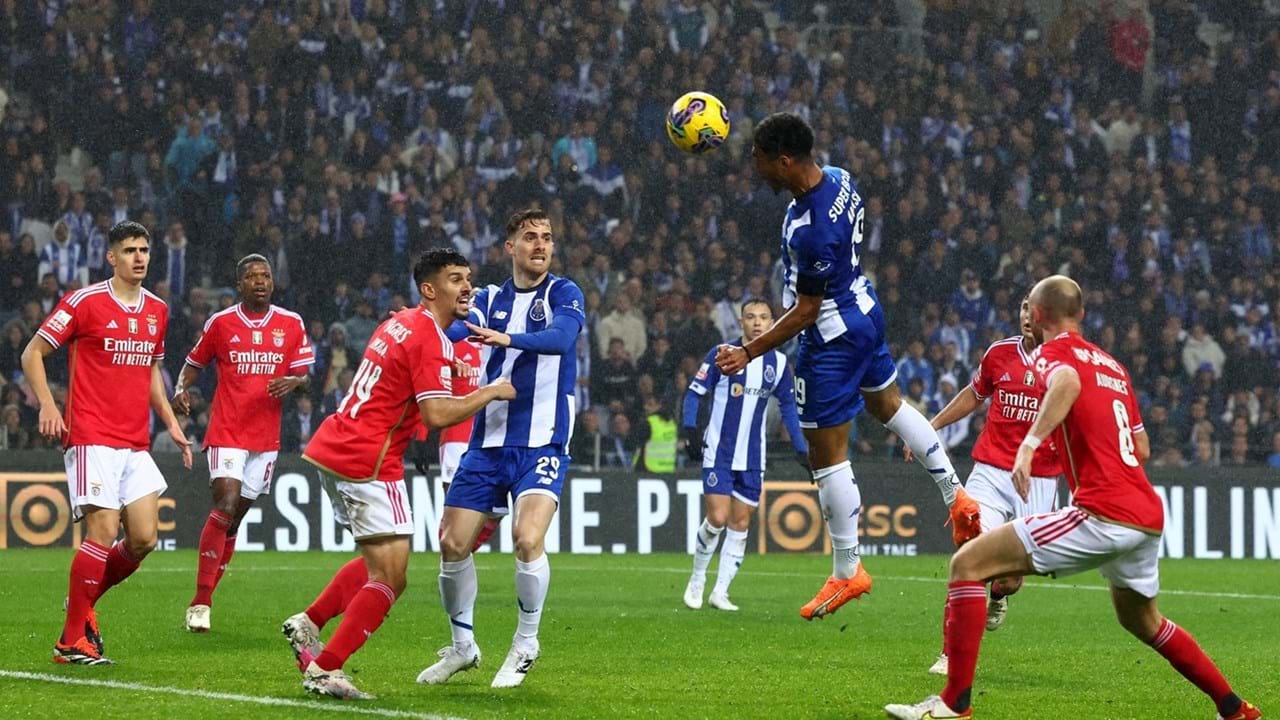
x=707 y=539
x=533 y=515
x=992 y=555
x=1139 y=615
x=217 y=544
x=459 y=528
x=906 y=422
x=387 y=560
x=841 y=503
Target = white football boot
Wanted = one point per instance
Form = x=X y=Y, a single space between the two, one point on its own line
x=304 y=639
x=452 y=661
x=721 y=601
x=939 y=666
x=198 y=618
x=331 y=683
x=693 y=593
x=518 y=663
x=931 y=708
x=996 y=610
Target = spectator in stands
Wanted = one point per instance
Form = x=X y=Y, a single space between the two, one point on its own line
x=626 y=324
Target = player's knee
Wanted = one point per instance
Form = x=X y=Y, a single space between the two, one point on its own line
x=717 y=518
x=1141 y=624
x=1007 y=586
x=454 y=548
x=965 y=565
x=141 y=546
x=226 y=504
x=528 y=546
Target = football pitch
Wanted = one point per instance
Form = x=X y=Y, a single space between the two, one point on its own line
x=618 y=642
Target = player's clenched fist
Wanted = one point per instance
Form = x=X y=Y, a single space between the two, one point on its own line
x=731 y=359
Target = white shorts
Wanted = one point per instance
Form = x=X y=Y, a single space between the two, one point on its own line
x=992 y=487
x=370 y=509
x=450 y=457
x=111 y=478
x=252 y=469
x=1069 y=541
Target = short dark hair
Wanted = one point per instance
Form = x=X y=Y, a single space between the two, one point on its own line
x=754 y=301
x=434 y=260
x=784 y=134
x=248 y=260
x=518 y=219
x=126 y=229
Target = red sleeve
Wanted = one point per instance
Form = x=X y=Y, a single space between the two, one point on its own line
x=1135 y=415
x=163 y=331
x=60 y=326
x=984 y=382
x=303 y=356
x=205 y=350
x=431 y=360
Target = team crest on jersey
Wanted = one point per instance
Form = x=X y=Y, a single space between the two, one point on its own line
x=1029 y=378
x=227 y=463
x=133 y=326
x=277 y=337
x=257 y=337
x=446 y=377
x=769 y=374
x=153 y=324
x=712 y=479
x=538 y=312
x=735 y=389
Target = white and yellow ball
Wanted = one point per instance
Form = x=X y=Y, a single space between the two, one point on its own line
x=698 y=122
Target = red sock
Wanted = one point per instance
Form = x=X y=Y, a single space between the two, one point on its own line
x=1185 y=655
x=228 y=550
x=946 y=623
x=967 y=608
x=87 y=570
x=337 y=595
x=363 y=616
x=120 y=565
x=213 y=541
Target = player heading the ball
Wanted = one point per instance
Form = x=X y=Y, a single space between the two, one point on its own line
x=843 y=363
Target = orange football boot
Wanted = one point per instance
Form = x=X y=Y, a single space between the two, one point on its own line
x=837 y=592
x=964 y=520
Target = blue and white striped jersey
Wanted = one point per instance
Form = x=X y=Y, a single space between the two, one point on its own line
x=820 y=238
x=734 y=438
x=544 y=409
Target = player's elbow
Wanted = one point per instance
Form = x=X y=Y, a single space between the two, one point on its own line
x=1142 y=447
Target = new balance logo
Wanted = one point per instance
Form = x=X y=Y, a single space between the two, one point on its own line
x=1005 y=378
x=112 y=325
x=500 y=315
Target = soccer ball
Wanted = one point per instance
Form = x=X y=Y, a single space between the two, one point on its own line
x=697 y=122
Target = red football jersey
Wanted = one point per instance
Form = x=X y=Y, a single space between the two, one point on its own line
x=466 y=379
x=110 y=350
x=249 y=352
x=1096 y=437
x=408 y=359
x=1005 y=376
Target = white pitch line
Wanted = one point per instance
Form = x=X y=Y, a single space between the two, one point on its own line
x=758 y=573
x=231 y=697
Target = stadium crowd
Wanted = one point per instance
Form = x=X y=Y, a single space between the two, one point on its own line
x=341 y=137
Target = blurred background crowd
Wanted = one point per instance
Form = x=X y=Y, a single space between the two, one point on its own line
x=1132 y=145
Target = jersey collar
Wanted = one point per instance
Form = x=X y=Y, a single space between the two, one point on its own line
x=142 y=299
x=260 y=322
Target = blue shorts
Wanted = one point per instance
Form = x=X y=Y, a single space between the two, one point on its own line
x=742 y=484
x=486 y=476
x=830 y=376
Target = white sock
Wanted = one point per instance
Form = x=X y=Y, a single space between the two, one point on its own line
x=925 y=444
x=705 y=547
x=841 y=505
x=458 y=595
x=735 y=546
x=532 y=580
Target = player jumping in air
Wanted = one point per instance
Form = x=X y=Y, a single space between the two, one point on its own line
x=114 y=332
x=1005 y=377
x=843 y=362
x=1091 y=407
x=406 y=373
x=262 y=352
x=519 y=448
x=732 y=451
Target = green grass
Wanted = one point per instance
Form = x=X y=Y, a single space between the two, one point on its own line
x=616 y=641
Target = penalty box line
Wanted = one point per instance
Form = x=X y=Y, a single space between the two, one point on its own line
x=228 y=697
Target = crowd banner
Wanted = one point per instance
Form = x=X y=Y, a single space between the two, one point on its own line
x=1209 y=513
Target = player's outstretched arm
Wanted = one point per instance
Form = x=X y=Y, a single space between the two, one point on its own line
x=181 y=400
x=733 y=358
x=51 y=423
x=1064 y=388
x=559 y=339
x=160 y=403
x=439 y=412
